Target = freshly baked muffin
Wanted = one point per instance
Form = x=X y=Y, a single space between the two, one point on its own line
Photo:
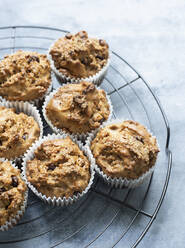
x=59 y=168
x=79 y=56
x=12 y=192
x=78 y=108
x=24 y=76
x=125 y=150
x=17 y=133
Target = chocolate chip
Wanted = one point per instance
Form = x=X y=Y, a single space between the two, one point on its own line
x=28 y=70
x=71 y=53
x=14 y=181
x=113 y=127
x=102 y=120
x=24 y=136
x=15 y=139
x=78 y=99
x=1 y=143
x=2 y=190
x=89 y=88
x=33 y=58
x=140 y=139
x=99 y=57
x=84 y=61
x=68 y=36
x=51 y=167
x=102 y=42
x=83 y=34
x=6 y=207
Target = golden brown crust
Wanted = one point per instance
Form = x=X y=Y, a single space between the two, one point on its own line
x=79 y=56
x=24 y=76
x=17 y=133
x=78 y=108
x=124 y=150
x=59 y=168
x=12 y=190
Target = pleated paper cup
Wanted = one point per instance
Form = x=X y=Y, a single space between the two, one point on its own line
x=81 y=136
x=14 y=220
x=116 y=182
x=37 y=102
x=29 y=110
x=96 y=78
x=58 y=201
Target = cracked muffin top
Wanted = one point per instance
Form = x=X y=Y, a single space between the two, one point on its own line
x=17 y=133
x=24 y=76
x=78 y=108
x=12 y=191
x=124 y=150
x=78 y=55
x=59 y=168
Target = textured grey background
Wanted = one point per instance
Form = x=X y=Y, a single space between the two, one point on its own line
x=150 y=35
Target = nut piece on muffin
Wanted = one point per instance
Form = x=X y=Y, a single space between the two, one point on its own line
x=12 y=192
x=24 y=76
x=59 y=168
x=79 y=56
x=78 y=108
x=17 y=133
x=124 y=150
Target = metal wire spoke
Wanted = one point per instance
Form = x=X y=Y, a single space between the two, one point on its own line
x=109 y=224
x=123 y=100
x=136 y=215
x=75 y=232
x=49 y=230
x=18 y=35
x=56 y=225
x=138 y=97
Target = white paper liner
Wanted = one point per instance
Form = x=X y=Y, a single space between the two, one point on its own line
x=37 y=101
x=81 y=136
x=57 y=201
x=9 y=224
x=96 y=79
x=29 y=110
x=117 y=182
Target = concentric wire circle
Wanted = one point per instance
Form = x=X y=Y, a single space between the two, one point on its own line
x=106 y=217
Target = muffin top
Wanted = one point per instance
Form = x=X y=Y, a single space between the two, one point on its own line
x=24 y=76
x=59 y=168
x=78 y=55
x=12 y=191
x=78 y=108
x=124 y=150
x=17 y=133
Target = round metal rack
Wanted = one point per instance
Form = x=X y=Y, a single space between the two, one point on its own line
x=106 y=217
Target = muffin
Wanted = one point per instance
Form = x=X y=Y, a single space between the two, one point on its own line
x=18 y=132
x=77 y=108
x=13 y=192
x=79 y=57
x=58 y=168
x=24 y=76
x=124 y=150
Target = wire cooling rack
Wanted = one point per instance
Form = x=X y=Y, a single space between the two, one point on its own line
x=106 y=217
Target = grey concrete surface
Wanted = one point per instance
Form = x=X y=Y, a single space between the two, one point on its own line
x=150 y=35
